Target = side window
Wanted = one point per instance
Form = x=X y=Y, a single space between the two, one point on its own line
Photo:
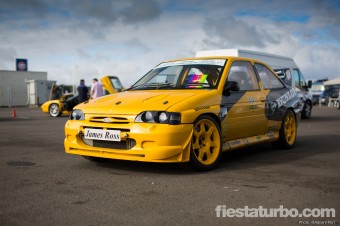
x=243 y=73
x=268 y=79
x=296 y=75
x=299 y=79
x=288 y=79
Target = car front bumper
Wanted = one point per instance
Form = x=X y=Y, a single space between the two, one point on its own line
x=139 y=141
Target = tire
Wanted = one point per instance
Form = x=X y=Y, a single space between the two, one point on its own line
x=288 y=131
x=205 y=151
x=307 y=110
x=94 y=159
x=54 y=110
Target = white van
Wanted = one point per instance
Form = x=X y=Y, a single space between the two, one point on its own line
x=285 y=67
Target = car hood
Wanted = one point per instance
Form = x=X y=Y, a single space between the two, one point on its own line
x=134 y=102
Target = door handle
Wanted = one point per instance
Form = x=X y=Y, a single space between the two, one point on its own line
x=262 y=98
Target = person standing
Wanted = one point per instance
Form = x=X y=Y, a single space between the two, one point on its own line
x=82 y=91
x=96 y=89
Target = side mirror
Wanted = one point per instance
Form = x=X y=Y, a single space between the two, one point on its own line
x=230 y=86
x=310 y=83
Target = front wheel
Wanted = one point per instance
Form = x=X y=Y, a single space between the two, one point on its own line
x=206 y=144
x=288 y=131
x=54 y=110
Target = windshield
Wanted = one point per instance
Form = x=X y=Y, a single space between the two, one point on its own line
x=186 y=74
x=317 y=88
x=116 y=83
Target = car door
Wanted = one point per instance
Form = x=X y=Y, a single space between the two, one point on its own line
x=276 y=96
x=246 y=107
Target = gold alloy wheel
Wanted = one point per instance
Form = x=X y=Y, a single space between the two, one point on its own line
x=206 y=142
x=290 y=128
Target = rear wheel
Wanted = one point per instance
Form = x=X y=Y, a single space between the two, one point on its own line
x=54 y=110
x=307 y=110
x=288 y=132
x=206 y=144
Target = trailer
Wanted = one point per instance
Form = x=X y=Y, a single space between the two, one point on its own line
x=38 y=91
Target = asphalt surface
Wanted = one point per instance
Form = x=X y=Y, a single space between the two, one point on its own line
x=41 y=185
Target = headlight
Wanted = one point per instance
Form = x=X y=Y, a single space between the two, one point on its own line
x=172 y=118
x=163 y=117
x=148 y=116
x=77 y=115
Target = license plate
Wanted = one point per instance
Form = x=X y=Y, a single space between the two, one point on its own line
x=100 y=134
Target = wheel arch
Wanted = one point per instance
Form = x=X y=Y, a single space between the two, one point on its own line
x=293 y=110
x=214 y=116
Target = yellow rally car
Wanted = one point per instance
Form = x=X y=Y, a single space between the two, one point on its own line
x=65 y=104
x=187 y=110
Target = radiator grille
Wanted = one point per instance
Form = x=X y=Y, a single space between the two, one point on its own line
x=115 y=120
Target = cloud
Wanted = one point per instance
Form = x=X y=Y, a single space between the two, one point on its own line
x=229 y=32
x=10 y=8
x=7 y=56
x=72 y=40
x=319 y=62
x=104 y=12
x=138 y=11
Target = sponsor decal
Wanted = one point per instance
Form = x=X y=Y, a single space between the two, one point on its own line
x=192 y=62
x=282 y=100
x=201 y=108
x=273 y=106
x=99 y=134
x=245 y=141
x=198 y=78
x=235 y=142
x=251 y=100
x=270 y=134
x=252 y=106
x=226 y=146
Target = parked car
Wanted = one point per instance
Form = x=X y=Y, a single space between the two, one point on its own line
x=66 y=103
x=187 y=111
x=317 y=89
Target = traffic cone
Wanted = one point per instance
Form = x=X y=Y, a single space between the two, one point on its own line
x=14 y=113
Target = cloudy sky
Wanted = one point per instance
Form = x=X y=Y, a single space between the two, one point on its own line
x=90 y=38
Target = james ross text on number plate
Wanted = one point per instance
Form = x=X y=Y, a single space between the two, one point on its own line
x=99 y=134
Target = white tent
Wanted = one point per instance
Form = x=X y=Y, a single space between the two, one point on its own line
x=332 y=82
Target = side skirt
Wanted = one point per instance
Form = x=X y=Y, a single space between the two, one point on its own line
x=247 y=141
